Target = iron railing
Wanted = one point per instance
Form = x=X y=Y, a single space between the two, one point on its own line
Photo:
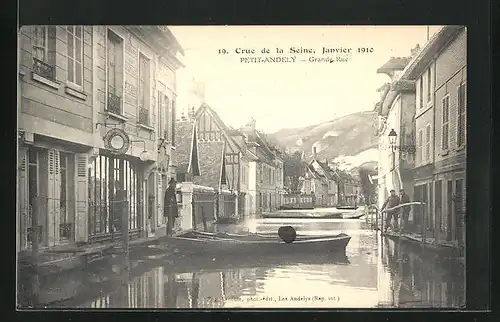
x=298 y=201
x=226 y=205
x=114 y=103
x=241 y=205
x=204 y=203
x=105 y=218
x=43 y=69
x=143 y=116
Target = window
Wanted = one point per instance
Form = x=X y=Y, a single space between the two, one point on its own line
x=108 y=178
x=461 y=127
x=428 y=142
x=143 y=101
x=446 y=117
x=40 y=41
x=40 y=51
x=429 y=85
x=421 y=93
x=114 y=73
x=75 y=54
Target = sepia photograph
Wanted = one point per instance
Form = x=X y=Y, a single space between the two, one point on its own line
x=203 y=167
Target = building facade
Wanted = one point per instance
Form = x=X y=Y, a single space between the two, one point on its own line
x=265 y=169
x=78 y=85
x=55 y=123
x=135 y=91
x=396 y=111
x=441 y=74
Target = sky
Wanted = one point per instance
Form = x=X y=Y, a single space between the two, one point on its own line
x=289 y=95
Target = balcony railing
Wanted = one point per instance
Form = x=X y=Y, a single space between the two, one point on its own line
x=114 y=103
x=143 y=116
x=43 y=69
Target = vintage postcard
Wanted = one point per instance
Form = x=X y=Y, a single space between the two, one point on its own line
x=241 y=167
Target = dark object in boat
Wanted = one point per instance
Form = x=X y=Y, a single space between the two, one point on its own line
x=347 y=207
x=354 y=216
x=287 y=234
x=261 y=244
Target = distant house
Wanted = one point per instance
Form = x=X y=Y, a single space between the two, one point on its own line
x=322 y=181
x=266 y=170
x=216 y=156
x=349 y=188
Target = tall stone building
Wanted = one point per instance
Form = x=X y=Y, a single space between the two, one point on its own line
x=96 y=116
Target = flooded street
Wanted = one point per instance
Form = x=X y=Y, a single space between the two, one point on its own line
x=374 y=273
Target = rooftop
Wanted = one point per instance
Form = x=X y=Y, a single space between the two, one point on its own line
x=394 y=63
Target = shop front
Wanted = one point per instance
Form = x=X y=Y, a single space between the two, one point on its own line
x=50 y=192
x=115 y=187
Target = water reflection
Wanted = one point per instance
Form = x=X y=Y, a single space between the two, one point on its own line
x=376 y=273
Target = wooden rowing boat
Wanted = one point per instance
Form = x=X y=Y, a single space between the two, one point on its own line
x=353 y=216
x=261 y=244
x=303 y=215
x=347 y=207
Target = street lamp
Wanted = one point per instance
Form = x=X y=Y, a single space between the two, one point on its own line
x=392 y=139
x=410 y=148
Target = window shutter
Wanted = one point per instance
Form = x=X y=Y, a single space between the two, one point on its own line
x=166 y=107
x=23 y=199
x=53 y=197
x=159 y=200
x=172 y=127
x=81 y=213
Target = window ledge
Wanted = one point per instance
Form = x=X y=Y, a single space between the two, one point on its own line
x=44 y=80
x=78 y=93
x=444 y=152
x=116 y=116
x=22 y=73
x=146 y=127
x=460 y=148
x=423 y=110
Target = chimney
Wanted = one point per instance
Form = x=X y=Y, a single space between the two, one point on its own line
x=314 y=152
x=415 y=50
x=326 y=162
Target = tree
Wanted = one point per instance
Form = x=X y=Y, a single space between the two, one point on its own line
x=367 y=188
x=293 y=170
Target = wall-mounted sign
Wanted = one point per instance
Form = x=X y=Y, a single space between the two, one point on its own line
x=116 y=141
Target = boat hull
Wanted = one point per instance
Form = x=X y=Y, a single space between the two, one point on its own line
x=262 y=245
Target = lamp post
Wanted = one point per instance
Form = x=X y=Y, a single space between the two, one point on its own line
x=392 y=139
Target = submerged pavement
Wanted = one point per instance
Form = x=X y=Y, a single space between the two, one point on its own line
x=376 y=272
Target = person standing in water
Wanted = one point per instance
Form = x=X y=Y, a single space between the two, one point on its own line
x=391 y=202
x=405 y=211
x=170 y=206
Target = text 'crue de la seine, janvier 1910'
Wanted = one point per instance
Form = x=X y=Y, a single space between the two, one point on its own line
x=326 y=54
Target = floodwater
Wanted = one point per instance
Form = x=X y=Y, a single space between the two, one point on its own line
x=376 y=272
